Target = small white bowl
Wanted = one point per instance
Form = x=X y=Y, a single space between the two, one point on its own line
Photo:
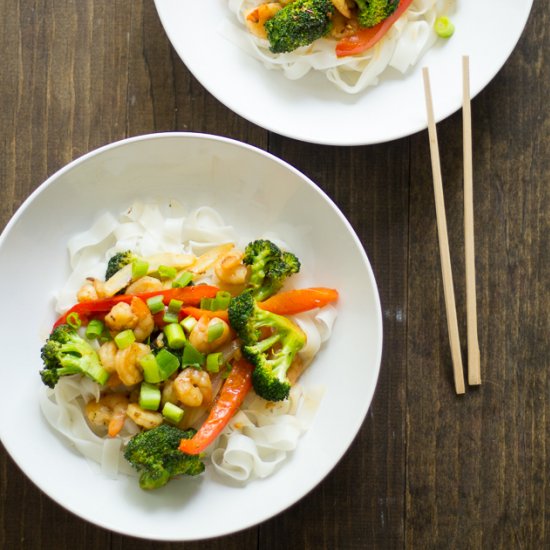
x=255 y=192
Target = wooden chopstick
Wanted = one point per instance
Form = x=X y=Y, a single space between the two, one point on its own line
x=448 y=288
x=474 y=375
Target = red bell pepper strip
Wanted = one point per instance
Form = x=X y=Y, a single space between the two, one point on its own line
x=191 y=295
x=297 y=301
x=231 y=396
x=365 y=39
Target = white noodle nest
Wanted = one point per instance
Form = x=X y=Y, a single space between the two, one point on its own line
x=401 y=48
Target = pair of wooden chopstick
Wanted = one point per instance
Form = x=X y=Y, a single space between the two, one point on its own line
x=474 y=376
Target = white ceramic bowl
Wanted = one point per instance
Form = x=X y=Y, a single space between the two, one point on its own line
x=254 y=191
x=311 y=108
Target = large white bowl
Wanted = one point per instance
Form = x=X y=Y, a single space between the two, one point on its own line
x=255 y=192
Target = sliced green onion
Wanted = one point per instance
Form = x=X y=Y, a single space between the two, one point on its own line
x=167 y=362
x=444 y=27
x=156 y=303
x=125 y=338
x=172 y=313
x=188 y=323
x=172 y=412
x=175 y=337
x=149 y=396
x=214 y=361
x=192 y=357
x=139 y=268
x=170 y=317
x=207 y=303
x=73 y=320
x=221 y=301
x=175 y=305
x=167 y=272
x=151 y=370
x=94 y=329
x=214 y=331
x=183 y=280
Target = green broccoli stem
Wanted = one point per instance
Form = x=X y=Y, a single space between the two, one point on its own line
x=267 y=343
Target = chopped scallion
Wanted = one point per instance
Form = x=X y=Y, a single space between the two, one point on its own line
x=175 y=305
x=192 y=357
x=214 y=331
x=221 y=301
x=149 y=396
x=172 y=412
x=167 y=362
x=73 y=320
x=170 y=317
x=156 y=303
x=139 y=268
x=94 y=329
x=151 y=371
x=183 y=280
x=175 y=337
x=214 y=361
x=167 y=272
x=207 y=303
x=444 y=27
x=125 y=338
x=188 y=323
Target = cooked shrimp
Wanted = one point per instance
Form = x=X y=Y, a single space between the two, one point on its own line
x=199 y=335
x=144 y=284
x=121 y=317
x=127 y=363
x=109 y=410
x=92 y=289
x=193 y=387
x=107 y=355
x=135 y=315
x=143 y=418
x=146 y=323
x=230 y=268
x=256 y=17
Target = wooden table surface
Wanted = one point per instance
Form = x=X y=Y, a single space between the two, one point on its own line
x=428 y=469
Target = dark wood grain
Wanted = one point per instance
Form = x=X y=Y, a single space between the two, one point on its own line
x=428 y=469
x=477 y=476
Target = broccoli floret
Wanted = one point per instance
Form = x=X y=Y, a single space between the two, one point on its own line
x=269 y=267
x=372 y=12
x=156 y=455
x=117 y=262
x=271 y=356
x=298 y=24
x=66 y=352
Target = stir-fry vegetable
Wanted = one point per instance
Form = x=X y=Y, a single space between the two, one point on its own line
x=191 y=295
x=300 y=300
x=181 y=356
x=233 y=392
x=366 y=38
